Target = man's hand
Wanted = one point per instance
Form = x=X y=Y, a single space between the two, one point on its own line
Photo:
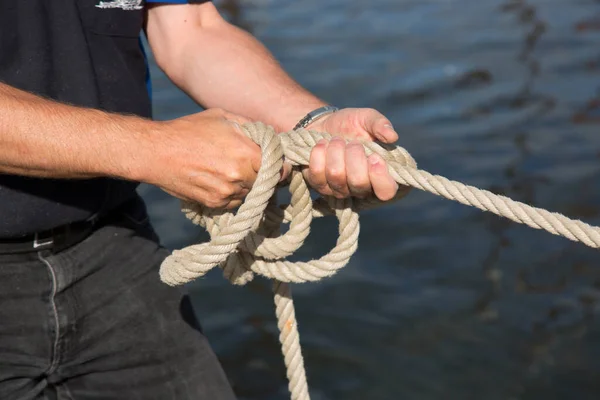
x=343 y=170
x=220 y=65
x=204 y=158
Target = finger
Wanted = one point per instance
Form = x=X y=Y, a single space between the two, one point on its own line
x=379 y=127
x=357 y=170
x=194 y=194
x=254 y=154
x=233 y=204
x=315 y=173
x=218 y=193
x=239 y=194
x=227 y=201
x=384 y=186
x=335 y=169
x=286 y=170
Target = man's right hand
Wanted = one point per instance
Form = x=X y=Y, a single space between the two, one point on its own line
x=204 y=157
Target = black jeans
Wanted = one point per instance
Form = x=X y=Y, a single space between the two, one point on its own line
x=95 y=322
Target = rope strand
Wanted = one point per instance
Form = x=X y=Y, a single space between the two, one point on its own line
x=249 y=242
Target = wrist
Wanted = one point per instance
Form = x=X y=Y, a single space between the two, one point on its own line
x=317 y=114
x=134 y=149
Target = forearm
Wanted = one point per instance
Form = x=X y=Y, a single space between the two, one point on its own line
x=42 y=138
x=225 y=67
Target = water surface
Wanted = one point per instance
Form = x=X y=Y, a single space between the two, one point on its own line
x=441 y=301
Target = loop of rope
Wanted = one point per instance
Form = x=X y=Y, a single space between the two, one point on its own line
x=249 y=242
x=240 y=243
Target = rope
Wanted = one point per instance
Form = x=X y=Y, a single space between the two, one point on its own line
x=249 y=242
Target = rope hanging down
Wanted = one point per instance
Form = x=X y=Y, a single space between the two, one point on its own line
x=249 y=242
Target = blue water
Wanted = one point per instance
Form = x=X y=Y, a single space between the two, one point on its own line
x=441 y=301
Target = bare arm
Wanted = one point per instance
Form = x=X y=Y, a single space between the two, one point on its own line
x=43 y=138
x=220 y=65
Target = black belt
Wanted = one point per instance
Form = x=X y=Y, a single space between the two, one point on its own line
x=55 y=239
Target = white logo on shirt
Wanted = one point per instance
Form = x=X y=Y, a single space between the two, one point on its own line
x=127 y=5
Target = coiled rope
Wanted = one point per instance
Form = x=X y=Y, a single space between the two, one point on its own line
x=250 y=242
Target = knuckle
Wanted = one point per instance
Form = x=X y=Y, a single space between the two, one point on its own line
x=315 y=170
x=254 y=154
x=233 y=175
x=226 y=191
x=336 y=173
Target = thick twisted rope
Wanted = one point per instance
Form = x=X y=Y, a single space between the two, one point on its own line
x=249 y=242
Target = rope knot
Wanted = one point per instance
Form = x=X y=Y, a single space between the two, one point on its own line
x=250 y=241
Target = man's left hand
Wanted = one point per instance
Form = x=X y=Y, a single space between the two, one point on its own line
x=342 y=169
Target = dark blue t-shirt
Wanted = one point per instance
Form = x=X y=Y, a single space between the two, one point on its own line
x=82 y=52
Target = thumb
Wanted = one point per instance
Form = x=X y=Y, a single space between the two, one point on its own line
x=379 y=127
x=255 y=156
